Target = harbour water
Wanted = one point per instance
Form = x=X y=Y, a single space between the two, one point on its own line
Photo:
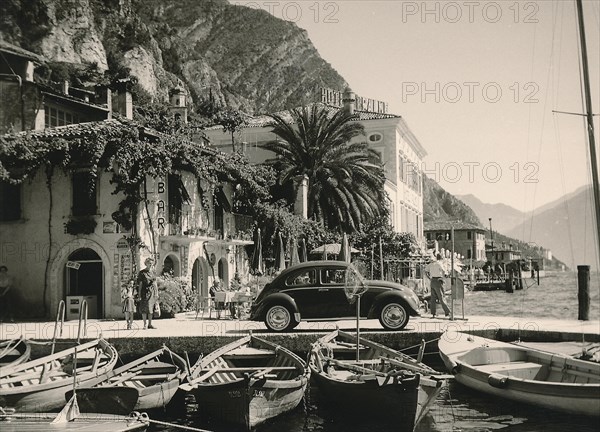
x=457 y=408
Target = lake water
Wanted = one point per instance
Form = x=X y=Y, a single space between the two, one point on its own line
x=555 y=297
x=457 y=408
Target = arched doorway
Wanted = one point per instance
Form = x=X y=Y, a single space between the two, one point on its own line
x=200 y=276
x=84 y=277
x=171 y=266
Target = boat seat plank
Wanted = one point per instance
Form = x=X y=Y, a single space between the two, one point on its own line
x=351 y=367
x=154 y=377
x=250 y=369
x=249 y=352
x=125 y=377
x=524 y=370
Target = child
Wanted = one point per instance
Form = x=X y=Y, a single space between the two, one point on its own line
x=127 y=299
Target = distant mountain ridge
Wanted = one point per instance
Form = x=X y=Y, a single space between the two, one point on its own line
x=504 y=217
x=567 y=228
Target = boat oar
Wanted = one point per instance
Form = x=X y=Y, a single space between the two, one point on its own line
x=71 y=410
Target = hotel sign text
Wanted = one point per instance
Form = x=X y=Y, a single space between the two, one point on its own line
x=336 y=98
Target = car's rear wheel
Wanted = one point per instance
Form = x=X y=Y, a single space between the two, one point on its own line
x=279 y=318
x=394 y=316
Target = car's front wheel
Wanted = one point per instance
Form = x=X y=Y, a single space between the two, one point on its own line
x=393 y=316
x=279 y=318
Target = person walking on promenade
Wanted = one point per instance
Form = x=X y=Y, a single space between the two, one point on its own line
x=127 y=299
x=435 y=272
x=147 y=292
x=5 y=286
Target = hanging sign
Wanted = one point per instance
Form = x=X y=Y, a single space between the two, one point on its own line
x=122 y=244
x=73 y=265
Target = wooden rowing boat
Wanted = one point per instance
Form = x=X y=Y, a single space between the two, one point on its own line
x=14 y=352
x=382 y=382
x=40 y=385
x=522 y=373
x=153 y=378
x=248 y=381
x=10 y=421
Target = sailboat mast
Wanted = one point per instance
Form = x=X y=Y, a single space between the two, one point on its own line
x=590 y=120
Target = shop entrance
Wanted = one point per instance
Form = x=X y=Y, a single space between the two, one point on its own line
x=84 y=281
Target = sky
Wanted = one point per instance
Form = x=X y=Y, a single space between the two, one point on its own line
x=476 y=81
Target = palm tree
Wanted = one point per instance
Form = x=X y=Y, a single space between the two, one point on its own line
x=345 y=180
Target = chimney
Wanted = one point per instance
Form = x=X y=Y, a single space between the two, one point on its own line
x=29 y=69
x=349 y=100
x=103 y=96
x=301 y=203
x=65 y=87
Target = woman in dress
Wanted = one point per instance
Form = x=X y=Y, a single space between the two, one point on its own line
x=147 y=292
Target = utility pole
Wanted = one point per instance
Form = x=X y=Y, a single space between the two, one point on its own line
x=492 y=239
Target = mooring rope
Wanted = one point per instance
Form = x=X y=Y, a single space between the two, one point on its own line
x=144 y=417
x=419 y=344
x=162 y=423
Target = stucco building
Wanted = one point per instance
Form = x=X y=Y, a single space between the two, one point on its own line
x=58 y=236
x=388 y=134
x=469 y=239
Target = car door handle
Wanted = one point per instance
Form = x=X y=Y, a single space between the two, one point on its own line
x=323 y=289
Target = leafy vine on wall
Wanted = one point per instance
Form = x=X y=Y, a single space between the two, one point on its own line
x=130 y=152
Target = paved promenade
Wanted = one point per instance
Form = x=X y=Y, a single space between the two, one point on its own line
x=196 y=336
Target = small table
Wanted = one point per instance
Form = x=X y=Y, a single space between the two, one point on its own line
x=229 y=298
x=224 y=296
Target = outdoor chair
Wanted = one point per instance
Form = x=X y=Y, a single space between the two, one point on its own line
x=203 y=304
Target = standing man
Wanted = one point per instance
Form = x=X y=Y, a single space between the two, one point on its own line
x=5 y=286
x=436 y=273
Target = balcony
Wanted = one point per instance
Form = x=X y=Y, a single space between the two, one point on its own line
x=190 y=227
x=237 y=229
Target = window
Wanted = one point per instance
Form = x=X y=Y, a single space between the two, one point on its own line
x=84 y=194
x=332 y=276
x=10 y=198
x=177 y=194
x=401 y=169
x=375 y=137
x=54 y=117
x=469 y=236
x=469 y=253
x=303 y=278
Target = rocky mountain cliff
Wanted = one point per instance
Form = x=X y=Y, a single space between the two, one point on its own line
x=237 y=56
x=439 y=205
